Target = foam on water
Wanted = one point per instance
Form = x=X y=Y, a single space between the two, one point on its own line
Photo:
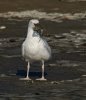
x=57 y=17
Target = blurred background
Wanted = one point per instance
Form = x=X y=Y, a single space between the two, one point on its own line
x=64 y=25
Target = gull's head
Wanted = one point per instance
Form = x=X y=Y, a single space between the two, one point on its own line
x=33 y=23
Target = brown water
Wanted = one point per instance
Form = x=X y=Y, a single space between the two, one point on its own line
x=67 y=68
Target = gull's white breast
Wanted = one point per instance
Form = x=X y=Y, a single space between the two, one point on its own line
x=36 y=48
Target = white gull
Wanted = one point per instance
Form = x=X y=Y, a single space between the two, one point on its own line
x=35 y=48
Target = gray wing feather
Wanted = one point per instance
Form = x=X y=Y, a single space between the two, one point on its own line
x=47 y=46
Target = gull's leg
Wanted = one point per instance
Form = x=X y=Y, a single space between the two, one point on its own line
x=28 y=68
x=42 y=78
x=27 y=77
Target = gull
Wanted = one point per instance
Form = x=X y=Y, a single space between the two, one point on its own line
x=35 y=48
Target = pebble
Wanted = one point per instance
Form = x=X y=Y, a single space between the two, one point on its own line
x=52 y=65
x=12 y=40
x=69 y=80
x=55 y=82
x=2 y=27
x=62 y=81
x=84 y=44
x=2 y=75
x=75 y=80
x=84 y=75
x=37 y=93
x=59 y=36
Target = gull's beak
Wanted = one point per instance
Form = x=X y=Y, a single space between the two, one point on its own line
x=38 y=28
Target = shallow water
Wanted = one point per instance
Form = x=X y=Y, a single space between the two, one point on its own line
x=66 y=34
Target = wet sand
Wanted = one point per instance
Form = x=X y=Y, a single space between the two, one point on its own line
x=66 y=71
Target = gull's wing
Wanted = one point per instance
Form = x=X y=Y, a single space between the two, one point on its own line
x=47 y=46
